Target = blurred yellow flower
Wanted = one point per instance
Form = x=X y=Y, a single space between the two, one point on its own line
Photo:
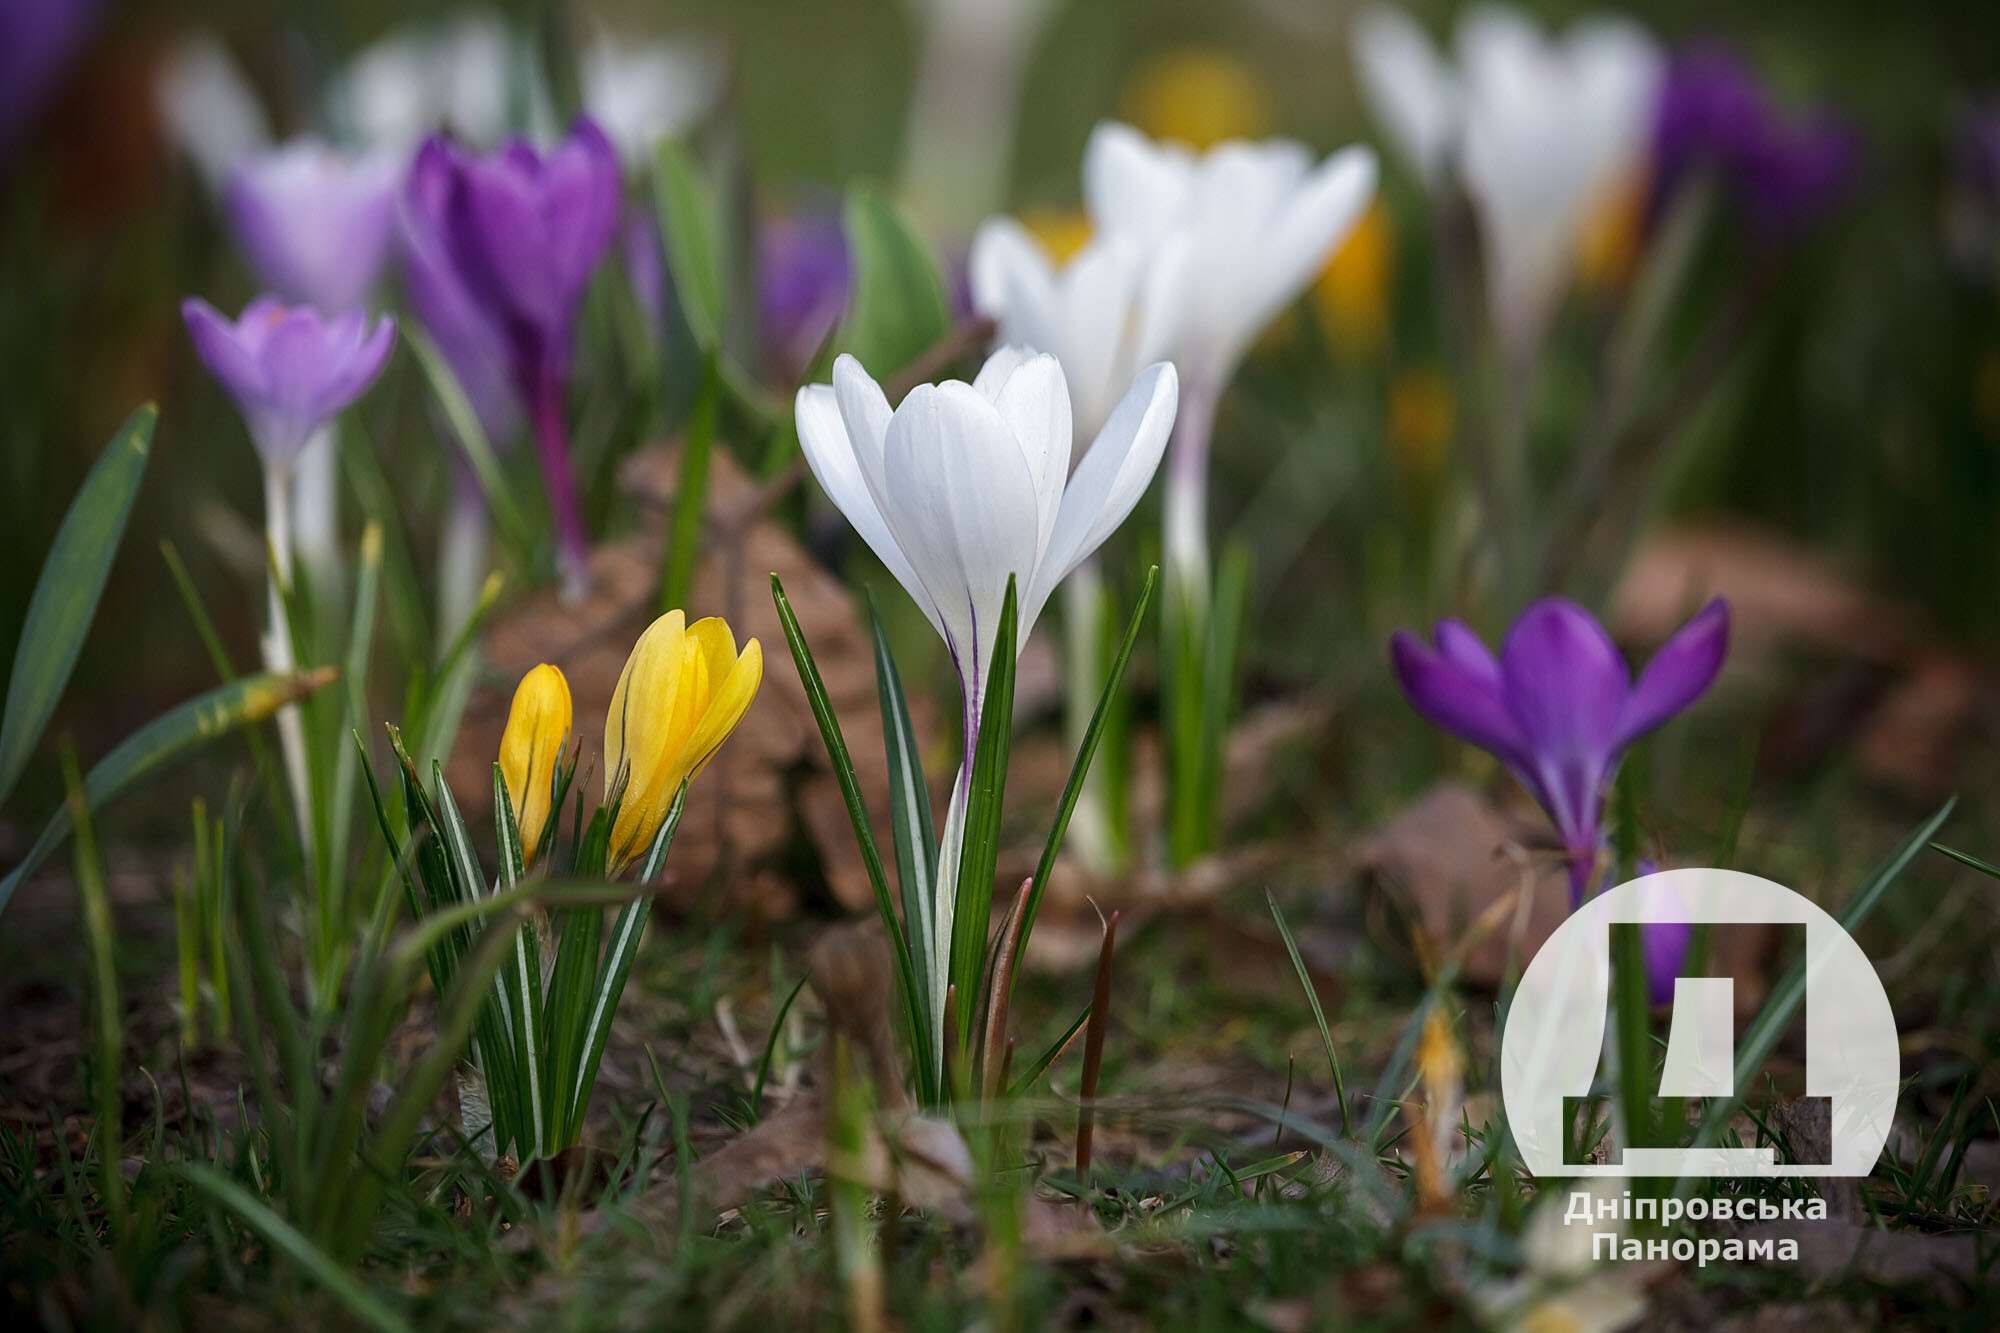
x=1061 y=235
x=1351 y=294
x=1423 y=414
x=530 y=749
x=683 y=690
x=1199 y=96
x=1608 y=239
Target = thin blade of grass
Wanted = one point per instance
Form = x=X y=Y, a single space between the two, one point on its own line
x=1312 y=999
x=910 y=815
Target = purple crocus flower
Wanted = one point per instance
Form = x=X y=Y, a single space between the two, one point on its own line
x=315 y=223
x=804 y=275
x=472 y=342
x=1558 y=706
x=1714 y=115
x=522 y=232
x=290 y=369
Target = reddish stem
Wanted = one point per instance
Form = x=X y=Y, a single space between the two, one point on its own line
x=552 y=448
x=1093 y=1050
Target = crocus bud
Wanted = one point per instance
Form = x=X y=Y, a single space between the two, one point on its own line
x=531 y=748
x=290 y=369
x=683 y=690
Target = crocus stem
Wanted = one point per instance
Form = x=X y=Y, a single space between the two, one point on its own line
x=1093 y=834
x=278 y=655
x=461 y=557
x=316 y=511
x=1186 y=517
x=552 y=447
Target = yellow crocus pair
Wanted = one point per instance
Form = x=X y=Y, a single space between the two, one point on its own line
x=682 y=692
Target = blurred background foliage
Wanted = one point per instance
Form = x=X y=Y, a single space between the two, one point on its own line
x=1862 y=415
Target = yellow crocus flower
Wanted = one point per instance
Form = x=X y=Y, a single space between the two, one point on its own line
x=1352 y=291
x=683 y=690
x=530 y=749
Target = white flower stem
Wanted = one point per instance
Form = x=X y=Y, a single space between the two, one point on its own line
x=316 y=512
x=1092 y=835
x=1186 y=500
x=461 y=559
x=277 y=646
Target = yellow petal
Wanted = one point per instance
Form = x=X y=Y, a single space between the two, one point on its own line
x=641 y=713
x=731 y=701
x=531 y=747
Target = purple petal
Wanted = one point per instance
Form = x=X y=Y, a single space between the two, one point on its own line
x=315 y=225
x=1679 y=673
x=1565 y=685
x=221 y=350
x=1465 y=703
x=1664 y=945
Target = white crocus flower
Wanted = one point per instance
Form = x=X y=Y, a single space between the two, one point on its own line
x=1536 y=129
x=642 y=92
x=1239 y=231
x=473 y=74
x=961 y=487
x=208 y=108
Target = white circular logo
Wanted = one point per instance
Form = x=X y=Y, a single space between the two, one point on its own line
x=1557 y=1025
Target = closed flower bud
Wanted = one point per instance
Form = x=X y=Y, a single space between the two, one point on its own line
x=683 y=690
x=531 y=749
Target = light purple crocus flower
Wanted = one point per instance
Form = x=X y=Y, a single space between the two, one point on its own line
x=522 y=232
x=290 y=369
x=804 y=275
x=1558 y=706
x=314 y=222
x=1785 y=170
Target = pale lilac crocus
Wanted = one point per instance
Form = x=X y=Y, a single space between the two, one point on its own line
x=522 y=232
x=292 y=371
x=1558 y=706
x=315 y=223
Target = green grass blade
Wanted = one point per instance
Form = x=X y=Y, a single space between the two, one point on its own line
x=165 y=739
x=985 y=792
x=66 y=595
x=521 y=976
x=899 y=307
x=857 y=814
x=1967 y=858
x=283 y=1237
x=354 y=676
x=690 y=224
x=471 y=437
x=770 y=1051
x=1312 y=999
x=100 y=933
x=1048 y=1057
x=910 y=816
x=691 y=489
x=1093 y=735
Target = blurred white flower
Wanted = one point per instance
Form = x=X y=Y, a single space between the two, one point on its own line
x=473 y=74
x=1233 y=236
x=1103 y=315
x=1536 y=129
x=1561 y=1286
x=642 y=92
x=208 y=109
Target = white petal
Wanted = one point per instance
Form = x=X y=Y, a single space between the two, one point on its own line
x=864 y=412
x=1132 y=185
x=1034 y=402
x=1000 y=367
x=1005 y=258
x=962 y=502
x=830 y=454
x=1411 y=93
x=1113 y=475
x=1306 y=231
x=1094 y=306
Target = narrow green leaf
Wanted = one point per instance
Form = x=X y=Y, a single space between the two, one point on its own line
x=521 y=978
x=980 y=852
x=770 y=1050
x=66 y=595
x=1967 y=858
x=690 y=224
x=165 y=739
x=101 y=934
x=691 y=489
x=899 y=308
x=857 y=814
x=1049 y=1056
x=910 y=815
x=287 y=1240
x=1100 y=719
x=471 y=436
x=1312 y=999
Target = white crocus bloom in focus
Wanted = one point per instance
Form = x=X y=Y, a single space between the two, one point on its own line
x=1238 y=231
x=1536 y=129
x=964 y=485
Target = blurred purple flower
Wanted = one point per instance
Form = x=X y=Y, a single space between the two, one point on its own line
x=472 y=342
x=645 y=266
x=315 y=223
x=522 y=232
x=290 y=369
x=1713 y=114
x=1559 y=706
x=804 y=276
x=38 y=40
x=1977 y=148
